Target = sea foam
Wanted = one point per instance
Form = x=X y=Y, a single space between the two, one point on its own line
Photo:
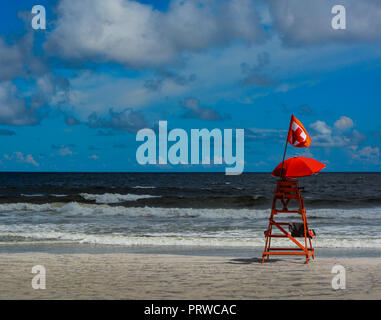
x=182 y=241
x=114 y=197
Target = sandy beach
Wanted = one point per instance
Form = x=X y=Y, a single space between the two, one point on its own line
x=161 y=276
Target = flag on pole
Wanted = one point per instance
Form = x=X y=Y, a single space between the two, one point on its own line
x=297 y=134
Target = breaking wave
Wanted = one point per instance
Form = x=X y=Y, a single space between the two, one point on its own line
x=114 y=197
x=77 y=208
x=179 y=240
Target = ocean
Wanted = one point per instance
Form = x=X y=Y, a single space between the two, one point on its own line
x=182 y=211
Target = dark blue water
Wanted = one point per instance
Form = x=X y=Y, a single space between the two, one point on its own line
x=189 y=190
x=181 y=209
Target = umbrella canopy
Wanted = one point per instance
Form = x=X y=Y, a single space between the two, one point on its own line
x=298 y=167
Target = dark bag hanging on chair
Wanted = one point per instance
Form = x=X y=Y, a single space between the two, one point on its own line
x=297 y=230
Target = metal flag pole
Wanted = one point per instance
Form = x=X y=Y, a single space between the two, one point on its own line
x=285 y=149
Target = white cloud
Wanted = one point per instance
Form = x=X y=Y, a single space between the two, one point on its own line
x=309 y=21
x=19 y=157
x=13 y=110
x=65 y=151
x=323 y=135
x=215 y=73
x=126 y=120
x=321 y=128
x=195 y=110
x=97 y=92
x=368 y=154
x=344 y=123
x=135 y=34
x=29 y=159
x=11 y=62
x=18 y=107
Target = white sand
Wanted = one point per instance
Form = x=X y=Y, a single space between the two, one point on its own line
x=149 y=276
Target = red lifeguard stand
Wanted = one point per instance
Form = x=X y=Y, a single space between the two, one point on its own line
x=284 y=193
x=287 y=190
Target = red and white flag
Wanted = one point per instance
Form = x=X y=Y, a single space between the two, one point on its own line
x=297 y=134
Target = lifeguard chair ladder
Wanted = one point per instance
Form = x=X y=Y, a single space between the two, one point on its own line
x=285 y=191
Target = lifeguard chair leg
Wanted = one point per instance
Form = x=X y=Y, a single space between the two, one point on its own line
x=267 y=244
x=312 y=250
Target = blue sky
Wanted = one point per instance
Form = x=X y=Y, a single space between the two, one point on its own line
x=73 y=96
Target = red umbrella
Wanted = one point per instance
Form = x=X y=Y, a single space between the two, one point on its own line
x=298 y=167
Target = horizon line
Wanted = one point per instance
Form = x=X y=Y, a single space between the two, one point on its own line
x=166 y=172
